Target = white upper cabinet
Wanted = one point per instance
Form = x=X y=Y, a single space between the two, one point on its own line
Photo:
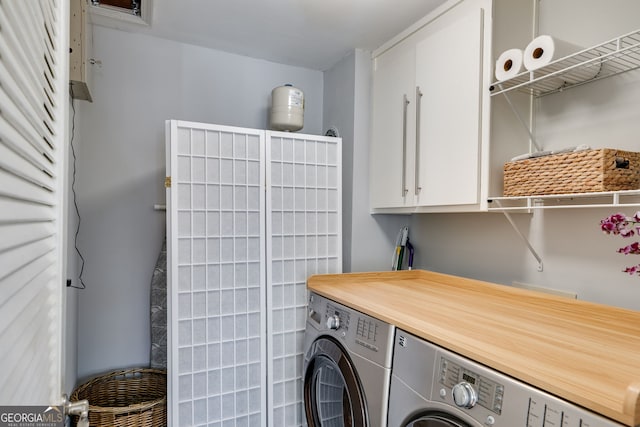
x=431 y=113
x=448 y=73
x=394 y=127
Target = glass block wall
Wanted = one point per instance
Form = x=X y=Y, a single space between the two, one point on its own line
x=304 y=206
x=251 y=215
x=218 y=326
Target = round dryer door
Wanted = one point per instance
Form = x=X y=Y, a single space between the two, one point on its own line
x=333 y=395
x=436 y=420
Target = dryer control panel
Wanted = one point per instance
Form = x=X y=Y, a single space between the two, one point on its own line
x=335 y=318
x=365 y=329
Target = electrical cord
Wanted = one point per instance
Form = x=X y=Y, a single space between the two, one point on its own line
x=75 y=201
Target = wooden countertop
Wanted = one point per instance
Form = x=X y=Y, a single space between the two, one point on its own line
x=583 y=352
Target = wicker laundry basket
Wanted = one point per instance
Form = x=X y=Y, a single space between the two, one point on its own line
x=585 y=171
x=126 y=398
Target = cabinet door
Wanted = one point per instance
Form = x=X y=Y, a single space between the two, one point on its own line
x=391 y=169
x=449 y=76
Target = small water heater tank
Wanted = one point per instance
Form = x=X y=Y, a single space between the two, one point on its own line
x=287 y=108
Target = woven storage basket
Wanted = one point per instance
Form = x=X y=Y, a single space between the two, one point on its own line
x=127 y=398
x=585 y=171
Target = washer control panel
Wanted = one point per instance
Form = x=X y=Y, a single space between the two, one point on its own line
x=497 y=400
x=472 y=392
x=469 y=387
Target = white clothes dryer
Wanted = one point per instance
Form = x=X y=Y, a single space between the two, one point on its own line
x=347 y=366
x=434 y=387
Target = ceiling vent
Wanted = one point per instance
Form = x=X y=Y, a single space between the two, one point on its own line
x=135 y=11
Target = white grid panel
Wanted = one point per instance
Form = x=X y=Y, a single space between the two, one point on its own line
x=304 y=217
x=217 y=348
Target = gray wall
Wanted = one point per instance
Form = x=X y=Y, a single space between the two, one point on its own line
x=366 y=238
x=373 y=235
x=338 y=112
x=141 y=82
x=73 y=271
x=577 y=256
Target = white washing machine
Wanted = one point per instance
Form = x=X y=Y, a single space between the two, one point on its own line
x=433 y=387
x=347 y=366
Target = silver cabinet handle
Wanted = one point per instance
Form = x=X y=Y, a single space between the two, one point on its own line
x=405 y=105
x=417 y=160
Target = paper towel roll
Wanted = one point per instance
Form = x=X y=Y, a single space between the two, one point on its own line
x=509 y=64
x=545 y=49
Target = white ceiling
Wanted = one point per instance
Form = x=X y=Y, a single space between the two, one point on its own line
x=313 y=34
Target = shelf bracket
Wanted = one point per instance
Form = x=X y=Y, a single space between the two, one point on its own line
x=522 y=236
x=521 y=120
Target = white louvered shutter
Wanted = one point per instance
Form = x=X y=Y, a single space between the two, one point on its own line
x=33 y=115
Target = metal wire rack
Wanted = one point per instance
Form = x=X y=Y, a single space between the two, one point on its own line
x=621 y=198
x=616 y=56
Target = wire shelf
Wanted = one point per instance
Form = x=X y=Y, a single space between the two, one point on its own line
x=623 y=198
x=611 y=58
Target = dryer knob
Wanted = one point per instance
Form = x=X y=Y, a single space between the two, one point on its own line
x=333 y=322
x=464 y=395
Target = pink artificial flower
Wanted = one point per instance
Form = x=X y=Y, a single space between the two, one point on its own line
x=633 y=248
x=619 y=224
x=615 y=223
x=607 y=226
x=633 y=270
x=627 y=232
